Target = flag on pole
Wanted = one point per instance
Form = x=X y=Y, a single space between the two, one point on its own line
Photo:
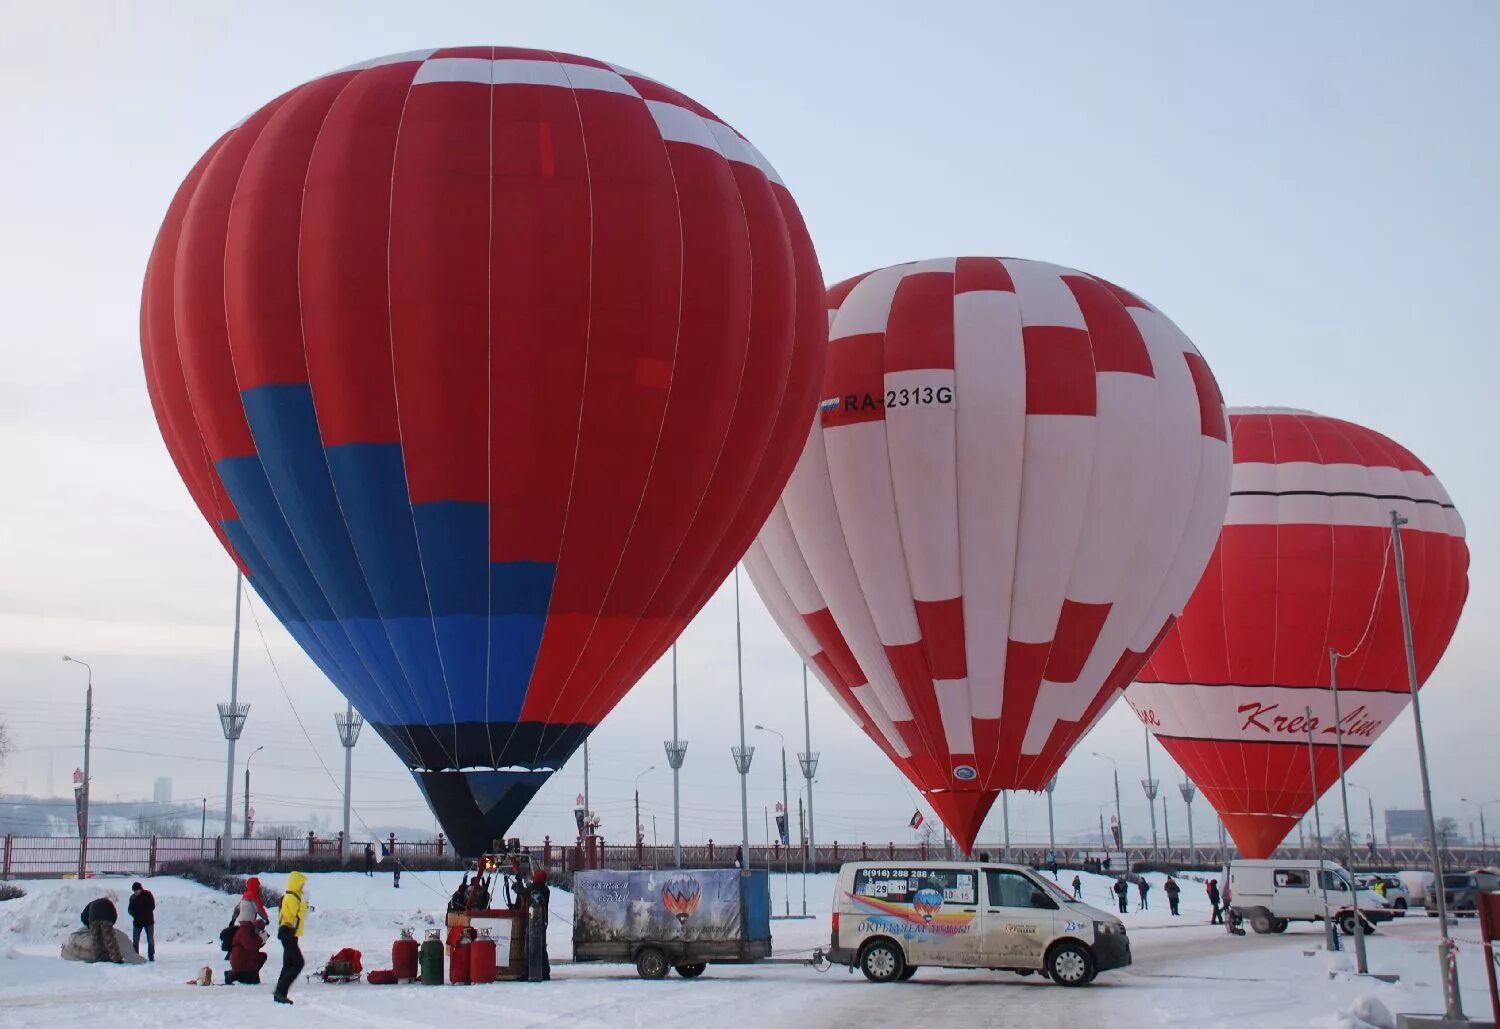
x=916 y=820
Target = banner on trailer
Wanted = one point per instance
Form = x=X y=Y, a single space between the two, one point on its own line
x=658 y=905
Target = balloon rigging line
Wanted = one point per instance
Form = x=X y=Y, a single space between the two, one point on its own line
x=1385 y=564
x=308 y=736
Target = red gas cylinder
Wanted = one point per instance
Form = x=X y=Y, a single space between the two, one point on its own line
x=482 y=960
x=458 y=963
x=404 y=957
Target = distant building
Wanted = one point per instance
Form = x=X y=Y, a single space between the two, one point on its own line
x=162 y=792
x=1405 y=825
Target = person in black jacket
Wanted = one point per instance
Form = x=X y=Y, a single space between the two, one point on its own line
x=369 y=860
x=99 y=917
x=142 y=908
x=1122 y=893
x=1213 y=899
x=537 y=897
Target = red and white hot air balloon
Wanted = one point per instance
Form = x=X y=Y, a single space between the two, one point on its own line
x=1016 y=478
x=1304 y=566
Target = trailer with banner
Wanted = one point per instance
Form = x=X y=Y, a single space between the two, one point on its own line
x=672 y=918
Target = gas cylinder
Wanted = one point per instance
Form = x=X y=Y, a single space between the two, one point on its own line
x=404 y=956
x=458 y=962
x=430 y=960
x=482 y=959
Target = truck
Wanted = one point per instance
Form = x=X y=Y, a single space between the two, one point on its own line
x=1271 y=893
x=682 y=919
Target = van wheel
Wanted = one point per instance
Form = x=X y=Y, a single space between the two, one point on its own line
x=1346 y=924
x=1069 y=964
x=1279 y=926
x=1400 y=903
x=651 y=963
x=1260 y=920
x=882 y=961
x=907 y=973
x=690 y=971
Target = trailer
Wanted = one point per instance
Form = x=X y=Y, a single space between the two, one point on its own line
x=683 y=919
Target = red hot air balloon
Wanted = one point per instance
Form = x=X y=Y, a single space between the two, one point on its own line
x=1017 y=475
x=1304 y=565
x=485 y=365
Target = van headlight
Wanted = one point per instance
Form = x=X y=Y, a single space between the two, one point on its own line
x=1109 y=929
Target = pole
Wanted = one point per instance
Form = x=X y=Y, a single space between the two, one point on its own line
x=1446 y=956
x=588 y=812
x=234 y=692
x=802 y=831
x=348 y=726
x=1189 y=791
x=1166 y=824
x=1150 y=787
x=743 y=756
x=1102 y=841
x=809 y=761
x=1330 y=934
x=786 y=820
x=86 y=787
x=1051 y=832
x=246 y=818
x=1005 y=819
x=676 y=774
x=203 y=829
x=1120 y=818
x=1362 y=965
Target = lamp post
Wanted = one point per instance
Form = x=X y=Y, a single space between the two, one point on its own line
x=786 y=820
x=1370 y=800
x=1051 y=832
x=1103 y=840
x=1484 y=847
x=808 y=759
x=257 y=750
x=88 y=732
x=232 y=720
x=676 y=751
x=349 y=723
x=742 y=753
x=1119 y=819
x=1188 y=791
x=1150 y=785
x=1360 y=960
x=640 y=830
x=1447 y=960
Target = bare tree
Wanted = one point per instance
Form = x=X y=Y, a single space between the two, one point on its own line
x=158 y=825
x=4 y=742
x=284 y=830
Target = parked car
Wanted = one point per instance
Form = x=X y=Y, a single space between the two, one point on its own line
x=1396 y=896
x=1461 y=891
x=1269 y=894
x=890 y=917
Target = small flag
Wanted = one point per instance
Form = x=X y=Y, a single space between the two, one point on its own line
x=916 y=820
x=829 y=406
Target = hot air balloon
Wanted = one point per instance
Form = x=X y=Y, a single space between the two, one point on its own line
x=485 y=366
x=927 y=903
x=1305 y=565
x=680 y=896
x=1016 y=477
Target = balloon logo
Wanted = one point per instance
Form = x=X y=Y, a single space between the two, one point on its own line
x=485 y=366
x=927 y=903
x=1305 y=564
x=680 y=897
x=1016 y=477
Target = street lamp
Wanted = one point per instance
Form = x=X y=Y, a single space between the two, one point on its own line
x=786 y=820
x=257 y=750
x=88 y=730
x=640 y=835
x=1484 y=851
x=1369 y=799
x=1119 y=818
x=1150 y=786
x=1188 y=791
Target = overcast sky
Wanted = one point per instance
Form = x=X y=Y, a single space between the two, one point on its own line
x=1307 y=190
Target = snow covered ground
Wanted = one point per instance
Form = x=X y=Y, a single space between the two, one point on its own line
x=1186 y=972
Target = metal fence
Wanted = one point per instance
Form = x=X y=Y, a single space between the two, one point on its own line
x=52 y=856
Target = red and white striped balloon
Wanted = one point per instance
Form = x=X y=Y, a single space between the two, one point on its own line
x=1015 y=481
x=1304 y=565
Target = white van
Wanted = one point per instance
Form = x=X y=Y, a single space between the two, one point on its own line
x=891 y=917
x=1271 y=893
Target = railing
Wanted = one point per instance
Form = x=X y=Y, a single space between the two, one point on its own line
x=52 y=856
x=148 y=855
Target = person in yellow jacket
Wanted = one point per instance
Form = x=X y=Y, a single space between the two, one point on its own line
x=293 y=919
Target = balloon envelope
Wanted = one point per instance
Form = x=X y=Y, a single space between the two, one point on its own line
x=1016 y=477
x=1304 y=565
x=485 y=365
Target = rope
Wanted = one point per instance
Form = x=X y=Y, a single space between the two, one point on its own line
x=312 y=746
x=1385 y=565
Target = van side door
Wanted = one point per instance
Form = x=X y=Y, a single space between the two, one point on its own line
x=1019 y=920
x=1291 y=894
